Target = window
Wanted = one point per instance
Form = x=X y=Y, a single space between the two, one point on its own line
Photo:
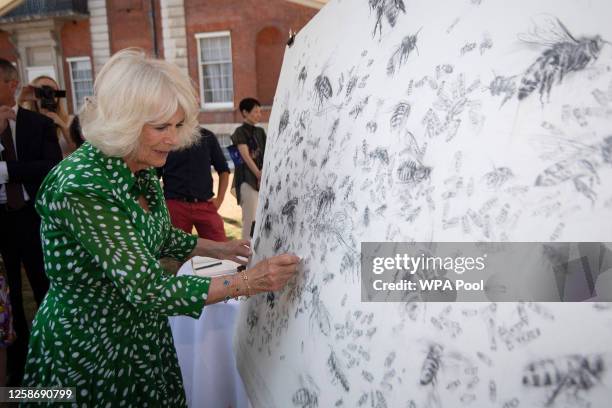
x=81 y=80
x=215 y=66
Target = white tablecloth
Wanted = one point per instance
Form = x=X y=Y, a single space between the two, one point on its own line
x=206 y=356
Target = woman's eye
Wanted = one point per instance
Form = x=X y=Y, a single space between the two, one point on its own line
x=161 y=128
x=180 y=125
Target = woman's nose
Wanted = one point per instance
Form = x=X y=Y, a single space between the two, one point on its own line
x=172 y=136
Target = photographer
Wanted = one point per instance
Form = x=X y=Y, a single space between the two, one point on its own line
x=43 y=96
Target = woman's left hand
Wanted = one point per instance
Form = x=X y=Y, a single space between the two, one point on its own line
x=232 y=250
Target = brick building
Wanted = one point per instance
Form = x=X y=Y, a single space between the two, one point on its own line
x=230 y=48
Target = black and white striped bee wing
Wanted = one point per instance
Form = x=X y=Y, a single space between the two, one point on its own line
x=560 y=147
x=392 y=9
x=393 y=61
x=547 y=30
x=400 y=115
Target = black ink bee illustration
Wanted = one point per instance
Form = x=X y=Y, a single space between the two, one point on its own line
x=402 y=52
x=390 y=9
x=303 y=76
x=400 y=115
x=267 y=225
x=289 y=211
x=252 y=319
x=325 y=200
x=278 y=243
x=371 y=126
x=582 y=172
x=568 y=373
x=565 y=54
x=304 y=119
x=304 y=398
x=445 y=366
x=581 y=168
x=496 y=178
x=485 y=44
x=323 y=89
x=359 y=107
x=452 y=102
x=492 y=391
x=319 y=312
x=271 y=299
x=444 y=69
x=505 y=86
x=284 y=121
x=429 y=373
x=431 y=365
x=469 y=47
x=337 y=371
x=412 y=172
x=307 y=396
x=341 y=80
x=351 y=85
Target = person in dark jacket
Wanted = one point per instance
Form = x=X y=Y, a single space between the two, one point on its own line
x=251 y=143
x=188 y=187
x=29 y=149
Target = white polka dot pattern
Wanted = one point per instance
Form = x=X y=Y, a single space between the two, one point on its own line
x=103 y=326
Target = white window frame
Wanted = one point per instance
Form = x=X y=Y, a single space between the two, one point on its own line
x=70 y=61
x=212 y=106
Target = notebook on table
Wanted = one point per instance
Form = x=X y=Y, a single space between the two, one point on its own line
x=211 y=267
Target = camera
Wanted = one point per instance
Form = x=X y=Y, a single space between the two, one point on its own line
x=48 y=97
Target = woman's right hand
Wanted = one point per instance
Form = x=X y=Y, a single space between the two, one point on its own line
x=273 y=273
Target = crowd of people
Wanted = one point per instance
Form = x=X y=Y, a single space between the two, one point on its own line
x=89 y=205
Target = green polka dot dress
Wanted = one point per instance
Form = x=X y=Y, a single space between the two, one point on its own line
x=103 y=326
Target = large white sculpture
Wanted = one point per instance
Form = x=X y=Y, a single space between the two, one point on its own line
x=417 y=120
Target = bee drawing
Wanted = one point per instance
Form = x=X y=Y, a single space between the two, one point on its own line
x=581 y=168
x=568 y=373
x=503 y=86
x=319 y=313
x=323 y=89
x=564 y=54
x=307 y=396
x=436 y=361
x=387 y=8
x=497 y=177
x=431 y=364
x=402 y=52
x=413 y=172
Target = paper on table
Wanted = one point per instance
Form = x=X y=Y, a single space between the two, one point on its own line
x=206 y=266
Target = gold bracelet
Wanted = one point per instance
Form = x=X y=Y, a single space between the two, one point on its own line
x=245 y=278
x=237 y=291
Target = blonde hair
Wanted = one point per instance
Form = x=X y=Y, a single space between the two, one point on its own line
x=130 y=91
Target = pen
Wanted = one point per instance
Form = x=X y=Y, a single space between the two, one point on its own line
x=208 y=266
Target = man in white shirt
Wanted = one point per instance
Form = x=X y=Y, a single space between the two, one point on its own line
x=28 y=150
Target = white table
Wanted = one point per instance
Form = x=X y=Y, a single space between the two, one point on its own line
x=206 y=356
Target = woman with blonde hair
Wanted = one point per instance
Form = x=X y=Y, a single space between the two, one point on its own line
x=28 y=100
x=103 y=326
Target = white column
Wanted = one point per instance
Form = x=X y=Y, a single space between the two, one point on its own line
x=100 y=42
x=174 y=33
